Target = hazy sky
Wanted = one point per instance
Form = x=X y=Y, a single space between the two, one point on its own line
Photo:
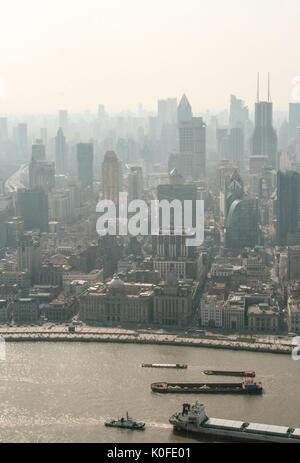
x=75 y=54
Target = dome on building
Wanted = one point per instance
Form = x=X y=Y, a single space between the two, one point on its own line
x=116 y=283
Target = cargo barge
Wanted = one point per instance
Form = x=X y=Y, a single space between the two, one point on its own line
x=245 y=374
x=180 y=366
x=249 y=386
x=194 y=420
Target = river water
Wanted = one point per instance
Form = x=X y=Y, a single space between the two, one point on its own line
x=63 y=392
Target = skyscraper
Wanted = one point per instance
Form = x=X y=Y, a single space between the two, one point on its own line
x=287 y=205
x=111 y=177
x=264 y=138
x=22 y=140
x=239 y=113
x=32 y=206
x=61 y=154
x=236 y=144
x=63 y=120
x=294 y=118
x=41 y=172
x=85 y=158
x=135 y=183
x=242 y=224
x=184 y=111
x=192 y=146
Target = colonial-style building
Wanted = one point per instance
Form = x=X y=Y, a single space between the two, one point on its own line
x=174 y=302
x=117 y=303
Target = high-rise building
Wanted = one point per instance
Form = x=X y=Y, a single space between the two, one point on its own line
x=29 y=255
x=63 y=120
x=85 y=158
x=191 y=161
x=184 y=111
x=61 y=153
x=294 y=118
x=167 y=111
x=287 y=205
x=111 y=177
x=242 y=224
x=264 y=138
x=293 y=272
x=44 y=135
x=236 y=144
x=32 y=206
x=22 y=140
x=239 y=113
x=41 y=172
x=192 y=146
x=135 y=183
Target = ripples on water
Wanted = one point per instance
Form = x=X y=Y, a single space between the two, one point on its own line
x=64 y=392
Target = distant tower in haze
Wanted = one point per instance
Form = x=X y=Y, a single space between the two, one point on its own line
x=85 y=158
x=22 y=140
x=61 y=153
x=41 y=172
x=294 y=119
x=111 y=177
x=63 y=120
x=192 y=142
x=264 y=138
x=184 y=110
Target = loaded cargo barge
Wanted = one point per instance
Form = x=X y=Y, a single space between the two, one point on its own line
x=179 y=366
x=193 y=419
x=245 y=374
x=246 y=387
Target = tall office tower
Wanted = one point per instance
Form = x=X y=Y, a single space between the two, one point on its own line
x=177 y=190
x=287 y=205
x=29 y=255
x=294 y=118
x=242 y=224
x=61 y=153
x=192 y=146
x=111 y=177
x=167 y=111
x=22 y=140
x=44 y=135
x=32 y=206
x=41 y=172
x=3 y=128
x=135 y=183
x=264 y=138
x=236 y=144
x=85 y=159
x=293 y=272
x=184 y=110
x=63 y=120
x=239 y=113
x=38 y=151
x=222 y=143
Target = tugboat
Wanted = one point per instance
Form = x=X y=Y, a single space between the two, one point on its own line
x=125 y=423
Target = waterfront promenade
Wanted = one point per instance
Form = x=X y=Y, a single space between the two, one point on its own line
x=59 y=333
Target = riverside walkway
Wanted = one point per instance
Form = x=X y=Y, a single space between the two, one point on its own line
x=90 y=334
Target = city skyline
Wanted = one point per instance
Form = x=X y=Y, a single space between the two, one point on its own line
x=78 y=54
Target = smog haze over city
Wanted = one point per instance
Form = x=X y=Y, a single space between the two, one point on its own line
x=149 y=224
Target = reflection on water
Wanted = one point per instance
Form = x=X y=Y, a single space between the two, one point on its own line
x=63 y=392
